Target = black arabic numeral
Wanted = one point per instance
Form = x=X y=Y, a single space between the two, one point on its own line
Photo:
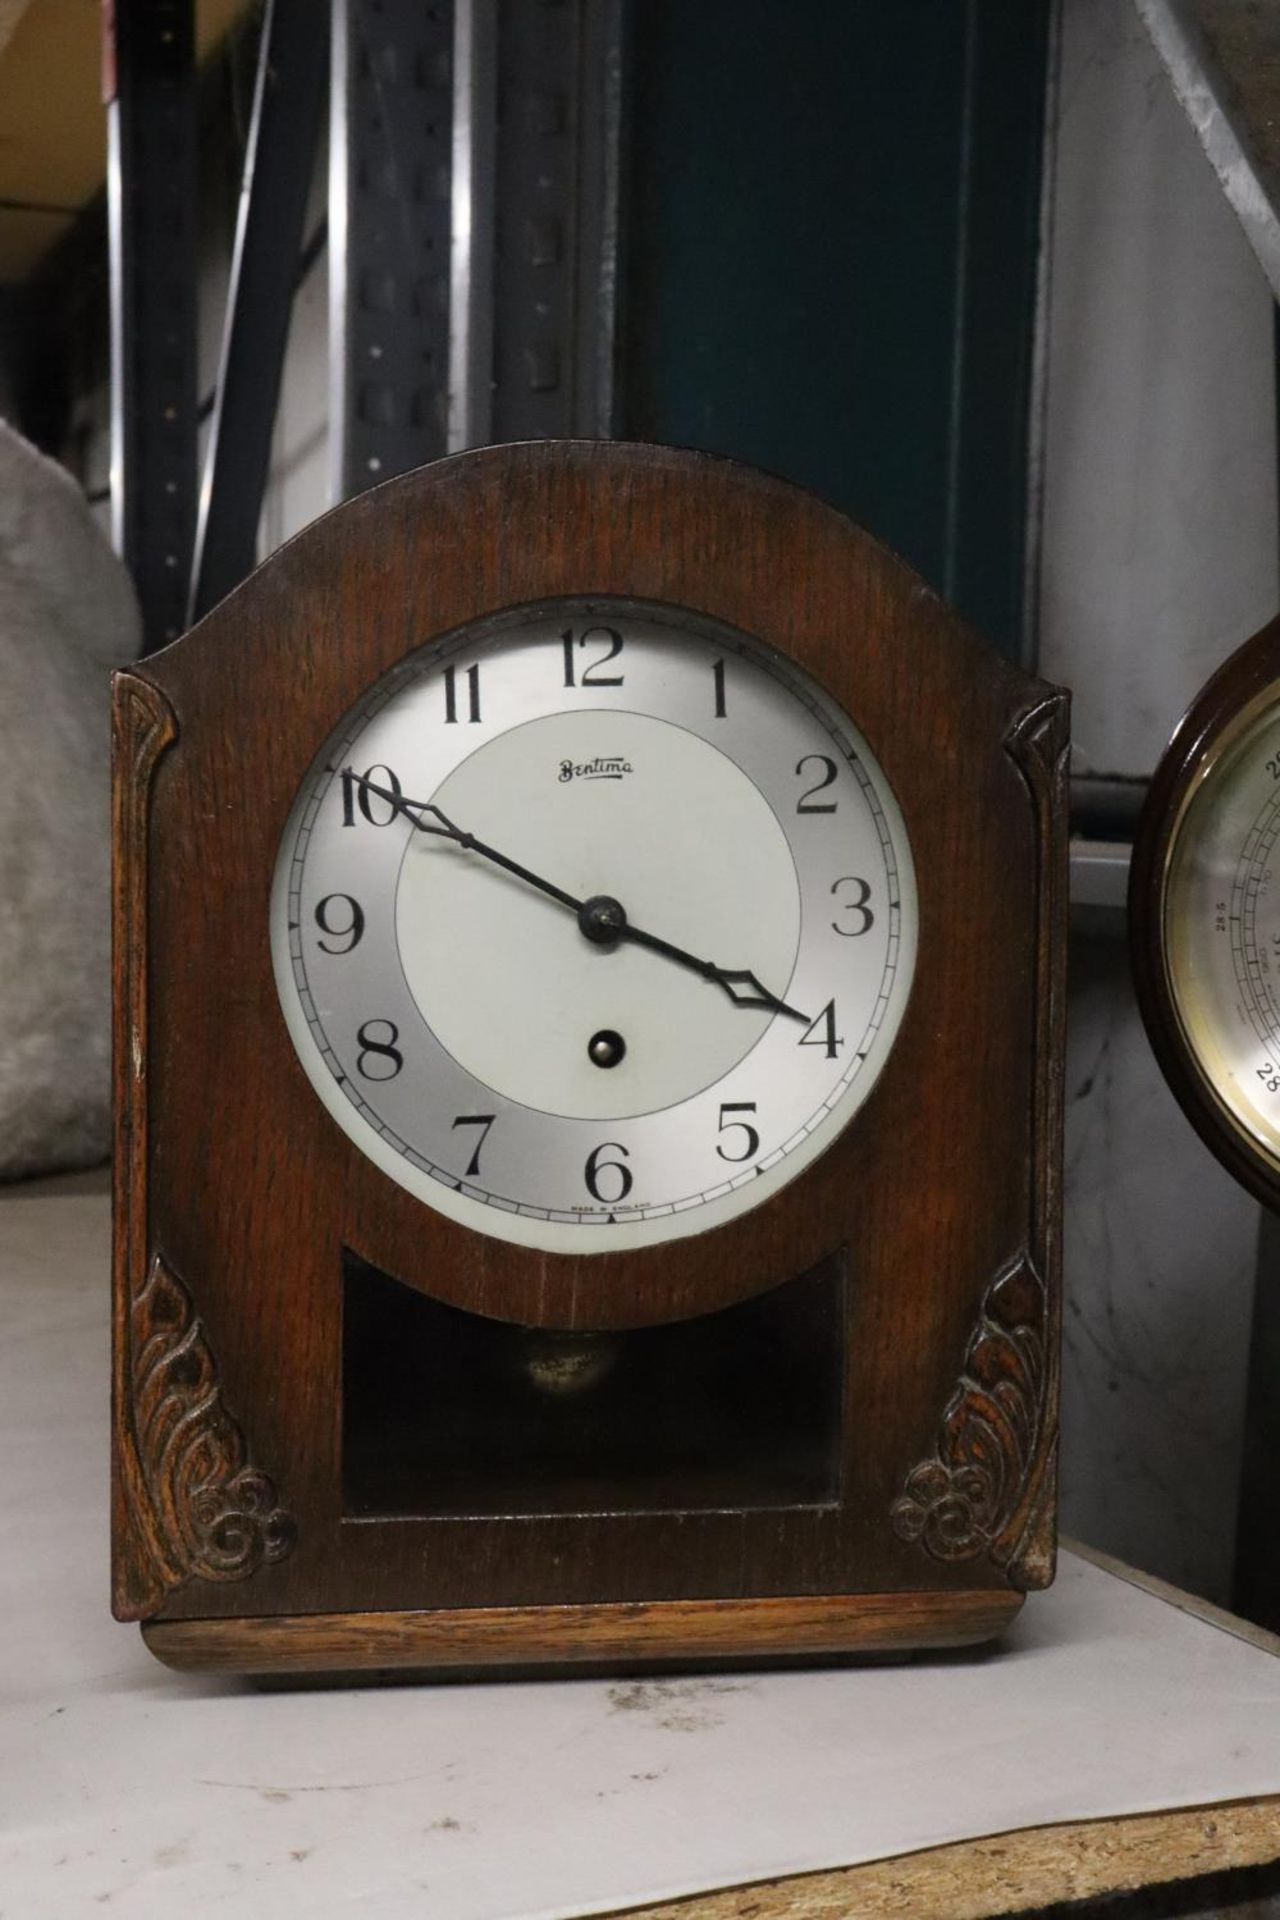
x=353 y=930
x=717 y=674
x=591 y=674
x=482 y=1120
x=373 y=1047
x=752 y=1146
x=594 y=1169
x=451 y=695
x=828 y=1037
x=858 y=906
x=805 y=803
x=356 y=794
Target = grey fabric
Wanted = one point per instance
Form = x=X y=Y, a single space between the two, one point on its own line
x=67 y=615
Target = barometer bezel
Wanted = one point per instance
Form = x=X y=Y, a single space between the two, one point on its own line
x=1202 y=745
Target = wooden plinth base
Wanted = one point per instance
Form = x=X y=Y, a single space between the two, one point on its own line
x=599 y=1637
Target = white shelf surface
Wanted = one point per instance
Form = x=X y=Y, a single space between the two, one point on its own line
x=128 y=1790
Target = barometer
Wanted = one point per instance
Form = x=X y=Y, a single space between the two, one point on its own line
x=588 y=997
x=1205 y=913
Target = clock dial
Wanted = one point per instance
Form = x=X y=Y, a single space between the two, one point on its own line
x=593 y=924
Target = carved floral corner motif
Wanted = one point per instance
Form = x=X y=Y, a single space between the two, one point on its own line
x=206 y=1511
x=968 y=1498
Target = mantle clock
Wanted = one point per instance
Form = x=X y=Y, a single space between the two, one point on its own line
x=589 y=935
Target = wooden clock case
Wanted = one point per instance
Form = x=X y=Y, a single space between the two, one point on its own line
x=918 y=1258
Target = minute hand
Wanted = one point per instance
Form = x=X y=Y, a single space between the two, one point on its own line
x=731 y=979
x=602 y=919
x=446 y=830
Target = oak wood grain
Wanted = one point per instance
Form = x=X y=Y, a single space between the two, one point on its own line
x=143 y=728
x=599 y=1637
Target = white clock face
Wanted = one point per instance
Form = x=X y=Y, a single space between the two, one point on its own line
x=594 y=924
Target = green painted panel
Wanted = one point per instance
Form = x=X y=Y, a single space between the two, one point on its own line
x=830 y=260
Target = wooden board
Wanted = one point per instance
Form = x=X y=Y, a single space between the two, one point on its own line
x=586 y=1638
x=1011 y=1873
